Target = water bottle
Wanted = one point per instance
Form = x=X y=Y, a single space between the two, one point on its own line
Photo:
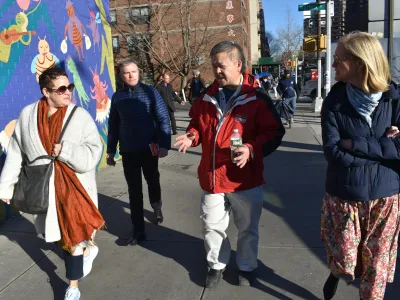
x=236 y=141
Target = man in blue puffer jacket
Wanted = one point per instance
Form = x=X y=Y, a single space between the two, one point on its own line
x=139 y=121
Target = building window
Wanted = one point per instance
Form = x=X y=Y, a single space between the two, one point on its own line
x=113 y=17
x=115 y=43
x=135 y=43
x=139 y=15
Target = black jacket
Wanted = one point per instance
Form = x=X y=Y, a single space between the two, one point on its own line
x=168 y=95
x=369 y=170
x=192 y=93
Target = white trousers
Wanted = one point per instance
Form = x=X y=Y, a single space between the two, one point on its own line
x=246 y=207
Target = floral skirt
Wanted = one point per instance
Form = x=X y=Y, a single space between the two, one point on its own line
x=360 y=238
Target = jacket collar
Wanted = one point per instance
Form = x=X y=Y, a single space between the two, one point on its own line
x=339 y=89
x=244 y=95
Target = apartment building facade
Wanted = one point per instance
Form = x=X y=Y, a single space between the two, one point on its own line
x=177 y=36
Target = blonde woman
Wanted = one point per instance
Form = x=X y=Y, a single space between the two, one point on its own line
x=360 y=211
x=72 y=217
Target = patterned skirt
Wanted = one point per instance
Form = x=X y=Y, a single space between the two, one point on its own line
x=360 y=238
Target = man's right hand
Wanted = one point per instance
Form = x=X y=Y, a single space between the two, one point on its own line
x=110 y=159
x=184 y=141
x=6 y=201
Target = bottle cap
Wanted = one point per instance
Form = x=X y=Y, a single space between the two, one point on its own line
x=235 y=130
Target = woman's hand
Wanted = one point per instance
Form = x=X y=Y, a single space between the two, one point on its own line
x=346 y=144
x=56 y=150
x=7 y=201
x=392 y=132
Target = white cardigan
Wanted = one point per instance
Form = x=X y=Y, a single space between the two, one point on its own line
x=81 y=150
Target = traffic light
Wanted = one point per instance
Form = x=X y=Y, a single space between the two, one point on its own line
x=293 y=64
x=322 y=42
x=309 y=44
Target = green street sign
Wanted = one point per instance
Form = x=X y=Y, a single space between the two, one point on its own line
x=312 y=6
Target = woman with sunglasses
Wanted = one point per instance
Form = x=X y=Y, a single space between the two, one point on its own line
x=72 y=217
x=360 y=211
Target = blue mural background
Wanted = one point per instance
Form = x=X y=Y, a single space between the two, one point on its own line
x=38 y=34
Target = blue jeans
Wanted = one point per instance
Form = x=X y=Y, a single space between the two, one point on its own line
x=291 y=102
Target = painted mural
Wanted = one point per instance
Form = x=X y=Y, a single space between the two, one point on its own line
x=39 y=34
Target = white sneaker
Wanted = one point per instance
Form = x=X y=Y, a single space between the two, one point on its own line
x=88 y=260
x=72 y=293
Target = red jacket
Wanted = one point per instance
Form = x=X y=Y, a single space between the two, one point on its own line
x=253 y=113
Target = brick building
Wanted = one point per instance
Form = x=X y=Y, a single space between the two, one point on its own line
x=152 y=34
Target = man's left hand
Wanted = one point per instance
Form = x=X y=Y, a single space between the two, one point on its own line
x=346 y=144
x=243 y=156
x=162 y=152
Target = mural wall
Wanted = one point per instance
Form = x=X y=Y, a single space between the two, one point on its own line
x=38 y=34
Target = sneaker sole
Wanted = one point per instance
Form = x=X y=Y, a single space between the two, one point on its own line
x=90 y=262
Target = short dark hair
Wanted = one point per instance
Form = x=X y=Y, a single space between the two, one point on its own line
x=49 y=75
x=229 y=47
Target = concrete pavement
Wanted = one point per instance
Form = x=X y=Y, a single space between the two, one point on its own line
x=171 y=264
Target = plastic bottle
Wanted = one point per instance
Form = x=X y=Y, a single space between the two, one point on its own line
x=236 y=141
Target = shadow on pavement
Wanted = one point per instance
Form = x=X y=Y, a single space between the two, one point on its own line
x=301 y=146
x=266 y=274
x=189 y=246
x=34 y=247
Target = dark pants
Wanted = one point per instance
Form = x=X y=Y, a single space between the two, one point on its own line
x=73 y=266
x=291 y=102
x=133 y=164
x=173 y=121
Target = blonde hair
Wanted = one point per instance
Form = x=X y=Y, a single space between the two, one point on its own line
x=366 y=48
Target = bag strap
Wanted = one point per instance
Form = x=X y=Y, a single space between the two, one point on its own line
x=66 y=123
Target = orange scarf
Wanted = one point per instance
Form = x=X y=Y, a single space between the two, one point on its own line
x=77 y=215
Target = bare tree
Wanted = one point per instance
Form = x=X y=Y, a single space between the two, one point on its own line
x=174 y=36
x=274 y=46
x=289 y=37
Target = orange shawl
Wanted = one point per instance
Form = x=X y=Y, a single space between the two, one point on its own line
x=77 y=215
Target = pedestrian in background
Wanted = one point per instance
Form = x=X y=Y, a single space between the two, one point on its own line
x=275 y=86
x=72 y=218
x=287 y=89
x=196 y=86
x=233 y=102
x=167 y=93
x=139 y=122
x=360 y=211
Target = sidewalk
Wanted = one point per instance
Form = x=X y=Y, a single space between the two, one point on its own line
x=171 y=264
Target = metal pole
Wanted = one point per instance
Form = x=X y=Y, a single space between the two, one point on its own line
x=318 y=100
x=328 y=48
x=295 y=69
x=391 y=19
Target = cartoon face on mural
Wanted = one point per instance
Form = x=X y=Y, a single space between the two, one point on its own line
x=44 y=60
x=76 y=30
x=24 y=4
x=94 y=20
x=103 y=103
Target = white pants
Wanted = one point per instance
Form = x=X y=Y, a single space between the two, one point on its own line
x=246 y=207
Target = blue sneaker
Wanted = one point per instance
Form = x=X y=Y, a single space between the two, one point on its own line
x=88 y=260
x=72 y=293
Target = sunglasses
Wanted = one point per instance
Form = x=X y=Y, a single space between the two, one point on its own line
x=62 y=89
x=338 y=59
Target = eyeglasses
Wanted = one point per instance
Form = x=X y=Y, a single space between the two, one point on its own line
x=337 y=59
x=62 y=89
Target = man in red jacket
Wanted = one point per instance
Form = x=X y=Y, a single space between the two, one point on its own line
x=233 y=101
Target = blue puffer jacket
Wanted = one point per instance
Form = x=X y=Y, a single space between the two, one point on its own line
x=368 y=170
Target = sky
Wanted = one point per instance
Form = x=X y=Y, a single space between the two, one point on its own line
x=275 y=11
